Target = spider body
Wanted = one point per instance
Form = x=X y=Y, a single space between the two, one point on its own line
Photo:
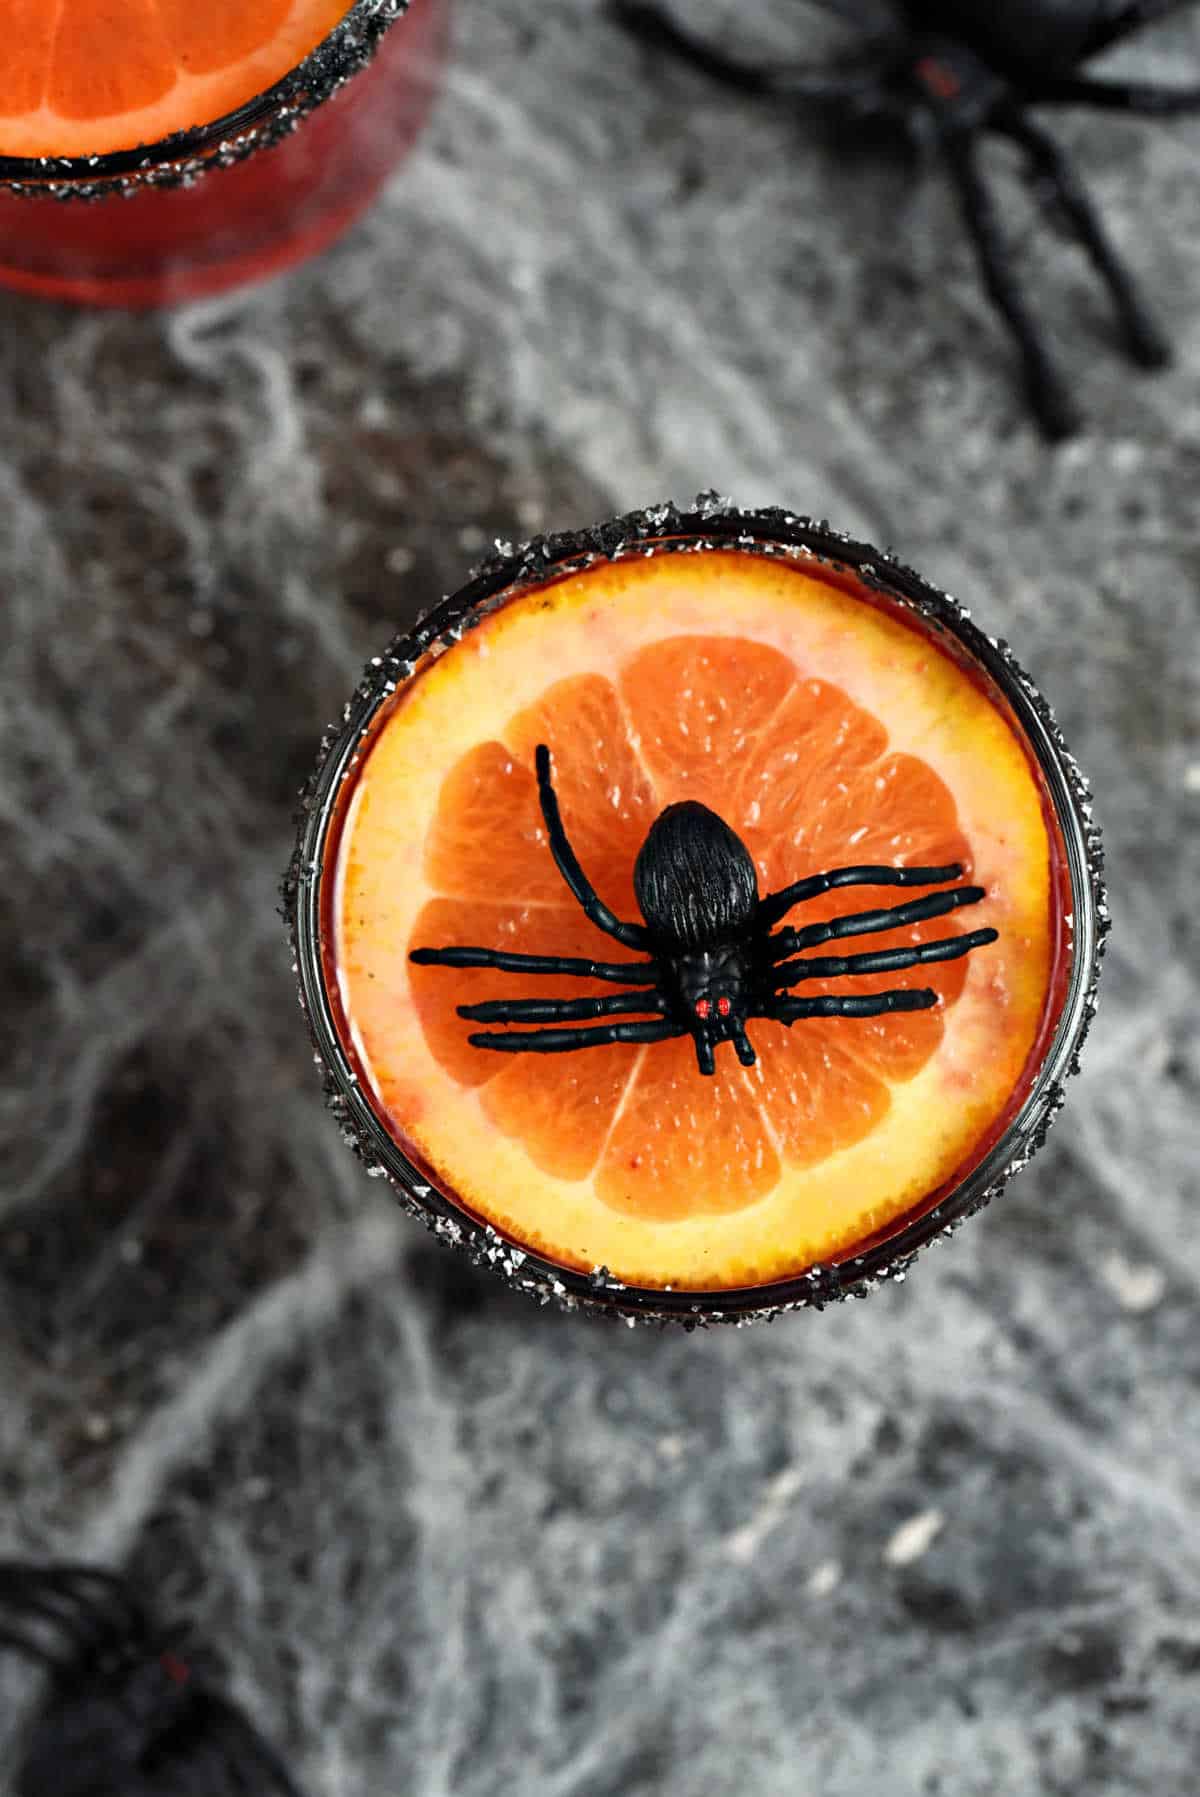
x=697 y=888
x=125 y=1714
x=714 y=958
x=949 y=71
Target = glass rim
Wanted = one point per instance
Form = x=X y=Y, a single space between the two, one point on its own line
x=713 y=523
x=184 y=156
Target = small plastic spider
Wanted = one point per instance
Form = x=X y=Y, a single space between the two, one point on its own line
x=947 y=71
x=126 y=1714
x=716 y=959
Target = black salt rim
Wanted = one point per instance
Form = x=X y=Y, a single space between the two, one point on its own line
x=179 y=160
x=712 y=523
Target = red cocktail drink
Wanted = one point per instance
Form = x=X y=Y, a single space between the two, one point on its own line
x=696 y=915
x=219 y=150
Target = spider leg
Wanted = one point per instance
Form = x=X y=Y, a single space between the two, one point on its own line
x=229 y=1743
x=886 y=960
x=80 y=1606
x=32 y=1648
x=862 y=78
x=866 y=923
x=595 y=910
x=777 y=904
x=1052 y=405
x=626 y=973
x=1143 y=338
x=68 y=1583
x=745 y=1052
x=1139 y=97
x=654 y=27
x=875 y=1004
x=561 y=1010
x=563 y=1041
x=1133 y=16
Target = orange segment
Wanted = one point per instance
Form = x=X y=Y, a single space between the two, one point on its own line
x=28 y=36
x=488 y=839
x=85 y=77
x=220 y=33
x=816 y=1094
x=696 y=705
x=86 y=80
x=896 y=1046
x=612 y=804
x=828 y=732
x=816 y=742
x=560 y=1107
x=894 y=810
x=682 y=1147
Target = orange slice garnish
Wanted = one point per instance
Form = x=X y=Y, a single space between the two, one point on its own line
x=85 y=77
x=826 y=731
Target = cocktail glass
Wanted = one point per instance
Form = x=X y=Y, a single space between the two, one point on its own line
x=235 y=199
x=1075 y=934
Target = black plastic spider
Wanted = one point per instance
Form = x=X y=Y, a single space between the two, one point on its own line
x=126 y=1715
x=947 y=71
x=715 y=958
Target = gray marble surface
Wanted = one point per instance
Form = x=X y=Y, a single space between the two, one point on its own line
x=943 y=1542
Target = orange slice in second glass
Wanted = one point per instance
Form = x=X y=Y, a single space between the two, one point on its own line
x=85 y=77
x=829 y=723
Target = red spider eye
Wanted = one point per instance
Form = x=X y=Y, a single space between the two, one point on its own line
x=702 y=1007
x=723 y=1006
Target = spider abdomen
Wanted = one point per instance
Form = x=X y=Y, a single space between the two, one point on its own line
x=694 y=879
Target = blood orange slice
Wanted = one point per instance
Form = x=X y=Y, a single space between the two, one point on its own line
x=828 y=727
x=85 y=77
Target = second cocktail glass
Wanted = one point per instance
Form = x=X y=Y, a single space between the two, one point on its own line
x=304 y=111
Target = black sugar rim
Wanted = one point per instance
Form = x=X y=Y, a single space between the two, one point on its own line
x=181 y=158
x=711 y=524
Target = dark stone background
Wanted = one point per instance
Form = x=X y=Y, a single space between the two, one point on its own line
x=451 y=1546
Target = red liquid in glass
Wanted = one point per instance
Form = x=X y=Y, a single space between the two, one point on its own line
x=240 y=223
